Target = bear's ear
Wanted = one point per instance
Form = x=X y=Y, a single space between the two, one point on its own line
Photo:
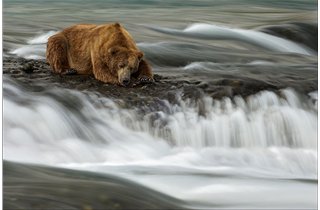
x=140 y=55
x=112 y=50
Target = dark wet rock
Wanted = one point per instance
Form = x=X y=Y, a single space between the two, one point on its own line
x=171 y=85
x=28 y=68
x=157 y=78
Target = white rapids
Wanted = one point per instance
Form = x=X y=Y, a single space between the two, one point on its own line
x=245 y=152
x=215 y=32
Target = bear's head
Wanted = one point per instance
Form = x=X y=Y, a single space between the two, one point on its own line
x=123 y=63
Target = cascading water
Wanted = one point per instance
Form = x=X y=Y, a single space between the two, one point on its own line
x=266 y=135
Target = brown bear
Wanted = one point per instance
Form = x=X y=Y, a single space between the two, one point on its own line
x=106 y=51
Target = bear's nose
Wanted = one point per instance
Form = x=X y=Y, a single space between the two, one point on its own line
x=126 y=82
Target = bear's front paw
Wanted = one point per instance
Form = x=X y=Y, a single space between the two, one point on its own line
x=145 y=80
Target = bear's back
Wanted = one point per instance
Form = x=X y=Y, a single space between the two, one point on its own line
x=113 y=34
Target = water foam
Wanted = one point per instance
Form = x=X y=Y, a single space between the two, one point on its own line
x=43 y=38
x=256 y=38
x=204 y=151
x=265 y=131
x=201 y=66
x=35 y=48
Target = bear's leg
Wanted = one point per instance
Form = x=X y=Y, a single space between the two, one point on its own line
x=144 y=74
x=57 y=57
x=100 y=72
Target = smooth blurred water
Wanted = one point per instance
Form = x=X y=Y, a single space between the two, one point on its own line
x=23 y=21
x=254 y=152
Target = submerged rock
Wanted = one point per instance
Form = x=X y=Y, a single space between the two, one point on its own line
x=37 y=187
x=303 y=33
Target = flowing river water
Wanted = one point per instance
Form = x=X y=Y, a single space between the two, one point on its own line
x=255 y=151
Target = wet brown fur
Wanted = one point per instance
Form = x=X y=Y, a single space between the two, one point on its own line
x=97 y=50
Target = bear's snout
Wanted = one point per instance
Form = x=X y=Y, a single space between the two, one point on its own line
x=124 y=76
x=125 y=82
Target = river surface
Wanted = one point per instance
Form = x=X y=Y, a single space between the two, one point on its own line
x=257 y=151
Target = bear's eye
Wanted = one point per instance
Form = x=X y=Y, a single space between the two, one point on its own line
x=121 y=65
